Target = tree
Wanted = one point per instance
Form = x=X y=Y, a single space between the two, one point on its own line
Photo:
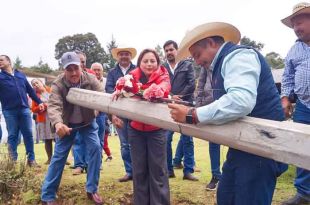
x=160 y=52
x=41 y=67
x=17 y=63
x=274 y=60
x=87 y=43
x=110 y=60
x=248 y=42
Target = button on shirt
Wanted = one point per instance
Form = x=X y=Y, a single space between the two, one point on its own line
x=240 y=70
x=296 y=74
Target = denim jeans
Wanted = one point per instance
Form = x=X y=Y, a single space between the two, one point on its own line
x=100 y=119
x=0 y=133
x=247 y=179
x=215 y=153
x=186 y=148
x=89 y=135
x=19 y=120
x=302 y=180
x=79 y=152
x=125 y=147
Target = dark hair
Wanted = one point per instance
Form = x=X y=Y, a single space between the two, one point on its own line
x=175 y=45
x=7 y=57
x=203 y=42
x=145 y=51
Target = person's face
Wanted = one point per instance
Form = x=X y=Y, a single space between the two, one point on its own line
x=124 y=58
x=98 y=71
x=4 y=62
x=204 y=55
x=301 y=26
x=73 y=73
x=148 y=64
x=37 y=85
x=170 y=53
x=83 y=61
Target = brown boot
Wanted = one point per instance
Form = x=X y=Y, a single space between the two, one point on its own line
x=125 y=178
x=77 y=171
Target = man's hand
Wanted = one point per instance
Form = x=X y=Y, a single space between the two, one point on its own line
x=62 y=129
x=178 y=112
x=117 y=121
x=287 y=106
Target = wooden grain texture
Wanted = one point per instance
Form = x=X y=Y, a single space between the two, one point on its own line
x=286 y=141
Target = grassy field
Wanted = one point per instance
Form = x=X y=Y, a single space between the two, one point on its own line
x=182 y=192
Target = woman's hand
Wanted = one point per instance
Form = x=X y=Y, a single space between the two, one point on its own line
x=116 y=95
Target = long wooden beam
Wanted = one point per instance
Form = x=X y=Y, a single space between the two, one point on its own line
x=286 y=141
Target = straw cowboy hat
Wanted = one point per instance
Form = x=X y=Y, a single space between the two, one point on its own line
x=301 y=8
x=115 y=51
x=225 y=30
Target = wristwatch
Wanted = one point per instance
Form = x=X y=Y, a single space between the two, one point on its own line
x=191 y=117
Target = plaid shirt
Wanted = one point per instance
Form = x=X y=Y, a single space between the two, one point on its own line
x=296 y=76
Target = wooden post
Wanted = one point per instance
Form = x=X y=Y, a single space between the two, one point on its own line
x=286 y=141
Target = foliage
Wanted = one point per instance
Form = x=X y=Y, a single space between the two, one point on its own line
x=110 y=60
x=16 y=180
x=41 y=67
x=17 y=63
x=248 y=42
x=160 y=52
x=274 y=60
x=87 y=43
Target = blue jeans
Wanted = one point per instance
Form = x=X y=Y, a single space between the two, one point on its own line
x=19 y=120
x=79 y=152
x=0 y=133
x=125 y=147
x=302 y=180
x=100 y=119
x=248 y=179
x=89 y=135
x=186 y=148
x=215 y=153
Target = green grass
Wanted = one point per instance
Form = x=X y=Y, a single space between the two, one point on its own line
x=182 y=192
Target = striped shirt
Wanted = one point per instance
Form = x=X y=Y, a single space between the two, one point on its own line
x=296 y=76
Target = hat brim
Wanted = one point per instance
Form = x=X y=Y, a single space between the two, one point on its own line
x=288 y=20
x=72 y=63
x=115 y=52
x=225 y=30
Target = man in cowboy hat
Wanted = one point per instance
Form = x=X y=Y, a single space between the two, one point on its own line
x=68 y=120
x=124 y=65
x=242 y=85
x=295 y=82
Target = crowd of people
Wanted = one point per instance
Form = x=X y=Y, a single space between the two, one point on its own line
x=234 y=81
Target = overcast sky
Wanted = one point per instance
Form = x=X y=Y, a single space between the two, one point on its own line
x=30 y=29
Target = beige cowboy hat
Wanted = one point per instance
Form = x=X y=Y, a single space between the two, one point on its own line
x=115 y=51
x=227 y=31
x=300 y=8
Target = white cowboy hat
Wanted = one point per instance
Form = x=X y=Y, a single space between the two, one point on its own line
x=300 y=8
x=115 y=51
x=225 y=30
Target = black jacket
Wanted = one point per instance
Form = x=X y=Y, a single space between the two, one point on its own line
x=183 y=80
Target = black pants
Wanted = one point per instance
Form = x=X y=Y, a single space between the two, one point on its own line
x=149 y=164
